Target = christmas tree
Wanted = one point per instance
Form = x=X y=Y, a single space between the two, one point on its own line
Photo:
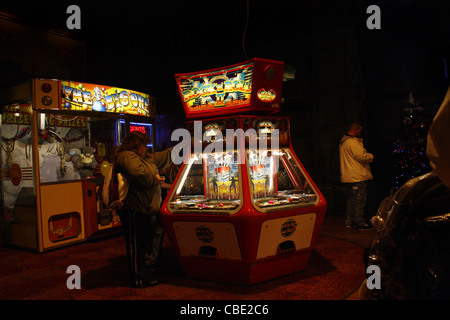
x=409 y=154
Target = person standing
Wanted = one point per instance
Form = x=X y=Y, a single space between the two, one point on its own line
x=355 y=174
x=139 y=215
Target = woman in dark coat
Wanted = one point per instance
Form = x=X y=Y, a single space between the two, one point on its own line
x=140 y=212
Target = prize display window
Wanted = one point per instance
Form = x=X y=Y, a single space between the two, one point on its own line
x=72 y=150
x=277 y=182
x=71 y=147
x=17 y=174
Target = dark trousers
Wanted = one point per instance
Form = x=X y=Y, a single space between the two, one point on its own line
x=143 y=236
x=356 y=201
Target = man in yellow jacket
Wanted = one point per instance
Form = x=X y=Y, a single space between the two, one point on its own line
x=355 y=172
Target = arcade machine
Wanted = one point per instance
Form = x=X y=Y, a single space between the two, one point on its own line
x=58 y=139
x=243 y=209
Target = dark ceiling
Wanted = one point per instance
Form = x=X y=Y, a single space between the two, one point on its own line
x=152 y=40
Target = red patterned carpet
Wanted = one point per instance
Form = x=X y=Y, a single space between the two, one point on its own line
x=334 y=271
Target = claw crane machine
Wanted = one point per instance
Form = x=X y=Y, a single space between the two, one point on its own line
x=58 y=140
x=243 y=209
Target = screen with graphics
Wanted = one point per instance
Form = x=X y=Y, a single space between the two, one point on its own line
x=277 y=180
x=210 y=183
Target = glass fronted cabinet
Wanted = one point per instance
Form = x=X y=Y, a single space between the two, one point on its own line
x=58 y=141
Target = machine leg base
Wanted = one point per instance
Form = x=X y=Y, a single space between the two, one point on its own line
x=245 y=272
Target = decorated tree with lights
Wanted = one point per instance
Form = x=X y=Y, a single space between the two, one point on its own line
x=409 y=152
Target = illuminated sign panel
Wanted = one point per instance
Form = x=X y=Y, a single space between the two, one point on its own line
x=92 y=97
x=145 y=128
x=217 y=89
x=20 y=114
x=138 y=128
x=266 y=96
x=251 y=86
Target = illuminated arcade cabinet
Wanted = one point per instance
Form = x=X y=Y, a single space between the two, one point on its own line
x=243 y=209
x=58 y=140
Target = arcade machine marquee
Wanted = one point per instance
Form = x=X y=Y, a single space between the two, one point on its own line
x=243 y=209
x=58 y=139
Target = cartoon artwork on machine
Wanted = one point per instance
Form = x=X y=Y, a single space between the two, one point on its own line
x=242 y=209
x=58 y=140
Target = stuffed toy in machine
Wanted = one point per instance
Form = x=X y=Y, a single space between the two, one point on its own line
x=85 y=162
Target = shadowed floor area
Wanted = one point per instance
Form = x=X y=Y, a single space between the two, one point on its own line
x=335 y=270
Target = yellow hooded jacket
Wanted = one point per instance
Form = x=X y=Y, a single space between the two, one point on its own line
x=438 y=143
x=354 y=160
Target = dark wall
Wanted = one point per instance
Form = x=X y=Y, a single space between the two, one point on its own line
x=29 y=49
x=344 y=72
